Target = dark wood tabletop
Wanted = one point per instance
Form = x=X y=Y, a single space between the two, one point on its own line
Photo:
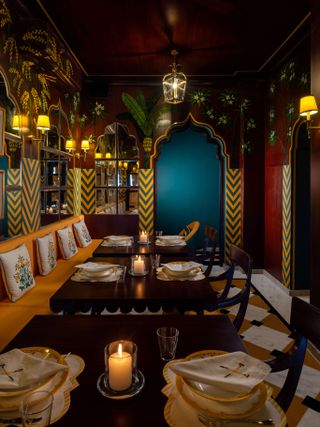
x=138 y=293
x=87 y=336
x=143 y=249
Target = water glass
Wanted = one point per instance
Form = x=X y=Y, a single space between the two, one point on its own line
x=122 y=271
x=155 y=260
x=167 y=340
x=36 y=409
x=159 y=233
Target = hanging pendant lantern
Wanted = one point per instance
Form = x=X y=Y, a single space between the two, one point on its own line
x=174 y=84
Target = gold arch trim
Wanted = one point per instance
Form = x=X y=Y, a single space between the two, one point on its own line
x=174 y=125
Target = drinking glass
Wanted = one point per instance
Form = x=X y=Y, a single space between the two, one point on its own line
x=168 y=340
x=36 y=409
x=155 y=260
x=121 y=274
x=159 y=233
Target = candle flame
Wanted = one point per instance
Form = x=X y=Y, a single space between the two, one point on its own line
x=120 y=350
x=139 y=258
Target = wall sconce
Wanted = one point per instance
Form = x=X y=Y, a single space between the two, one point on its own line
x=20 y=123
x=43 y=123
x=85 y=147
x=174 y=84
x=308 y=107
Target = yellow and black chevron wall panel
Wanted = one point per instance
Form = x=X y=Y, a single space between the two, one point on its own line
x=14 y=208
x=145 y=205
x=30 y=195
x=232 y=210
x=286 y=225
x=69 y=196
x=76 y=191
x=88 y=191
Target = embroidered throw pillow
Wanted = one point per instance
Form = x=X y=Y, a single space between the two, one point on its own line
x=46 y=254
x=67 y=244
x=82 y=234
x=17 y=272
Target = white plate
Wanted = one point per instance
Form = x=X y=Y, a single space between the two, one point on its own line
x=96 y=267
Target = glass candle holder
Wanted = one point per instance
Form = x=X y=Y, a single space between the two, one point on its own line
x=144 y=237
x=121 y=378
x=138 y=265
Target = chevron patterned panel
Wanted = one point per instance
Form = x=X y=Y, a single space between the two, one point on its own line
x=14 y=211
x=233 y=209
x=13 y=177
x=30 y=195
x=76 y=191
x=146 y=183
x=88 y=191
x=69 y=196
x=286 y=225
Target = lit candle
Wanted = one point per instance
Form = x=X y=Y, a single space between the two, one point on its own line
x=138 y=266
x=143 y=236
x=120 y=370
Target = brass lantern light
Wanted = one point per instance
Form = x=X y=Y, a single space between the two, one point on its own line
x=174 y=84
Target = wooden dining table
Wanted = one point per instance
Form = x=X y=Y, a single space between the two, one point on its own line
x=143 y=249
x=136 y=292
x=86 y=336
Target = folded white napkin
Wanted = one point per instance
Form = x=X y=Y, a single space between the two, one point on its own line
x=235 y=372
x=95 y=266
x=117 y=238
x=174 y=242
x=183 y=267
x=171 y=237
x=19 y=370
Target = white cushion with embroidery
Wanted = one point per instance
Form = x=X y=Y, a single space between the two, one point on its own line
x=46 y=254
x=67 y=244
x=17 y=272
x=82 y=234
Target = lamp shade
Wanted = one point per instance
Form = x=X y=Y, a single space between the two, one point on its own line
x=84 y=145
x=43 y=122
x=70 y=145
x=20 y=123
x=308 y=106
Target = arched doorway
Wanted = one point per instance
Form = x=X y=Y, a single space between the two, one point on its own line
x=189 y=164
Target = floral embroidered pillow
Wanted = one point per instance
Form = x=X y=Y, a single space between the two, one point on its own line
x=67 y=244
x=46 y=254
x=82 y=234
x=17 y=272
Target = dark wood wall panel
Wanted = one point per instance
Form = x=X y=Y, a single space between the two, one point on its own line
x=273 y=220
x=103 y=225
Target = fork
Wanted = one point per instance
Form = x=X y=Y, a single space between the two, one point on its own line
x=212 y=422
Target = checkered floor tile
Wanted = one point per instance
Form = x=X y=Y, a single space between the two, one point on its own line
x=265 y=335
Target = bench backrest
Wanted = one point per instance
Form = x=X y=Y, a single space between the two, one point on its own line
x=30 y=241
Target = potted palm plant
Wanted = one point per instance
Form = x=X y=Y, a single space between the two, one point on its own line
x=145 y=113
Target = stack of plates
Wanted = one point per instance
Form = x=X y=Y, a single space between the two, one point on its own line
x=216 y=402
x=96 y=270
x=117 y=240
x=180 y=271
x=171 y=240
x=11 y=396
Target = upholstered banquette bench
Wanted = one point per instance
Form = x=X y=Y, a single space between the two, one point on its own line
x=17 y=309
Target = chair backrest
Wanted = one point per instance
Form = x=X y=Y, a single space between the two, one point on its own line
x=240 y=258
x=305 y=322
x=190 y=230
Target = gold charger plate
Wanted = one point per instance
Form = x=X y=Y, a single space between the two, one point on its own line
x=182 y=387
x=10 y=401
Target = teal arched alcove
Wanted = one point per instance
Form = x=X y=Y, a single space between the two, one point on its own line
x=189 y=180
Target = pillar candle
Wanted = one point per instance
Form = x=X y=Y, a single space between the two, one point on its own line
x=143 y=237
x=138 y=266
x=120 y=370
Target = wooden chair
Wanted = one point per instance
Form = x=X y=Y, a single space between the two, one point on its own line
x=190 y=230
x=305 y=322
x=207 y=254
x=241 y=258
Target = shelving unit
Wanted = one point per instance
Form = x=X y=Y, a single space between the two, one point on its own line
x=53 y=187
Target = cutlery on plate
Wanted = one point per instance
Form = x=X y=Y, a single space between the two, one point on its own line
x=212 y=422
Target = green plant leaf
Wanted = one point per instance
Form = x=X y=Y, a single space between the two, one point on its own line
x=136 y=111
x=141 y=100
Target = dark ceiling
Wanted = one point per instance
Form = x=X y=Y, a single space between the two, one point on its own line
x=213 y=37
